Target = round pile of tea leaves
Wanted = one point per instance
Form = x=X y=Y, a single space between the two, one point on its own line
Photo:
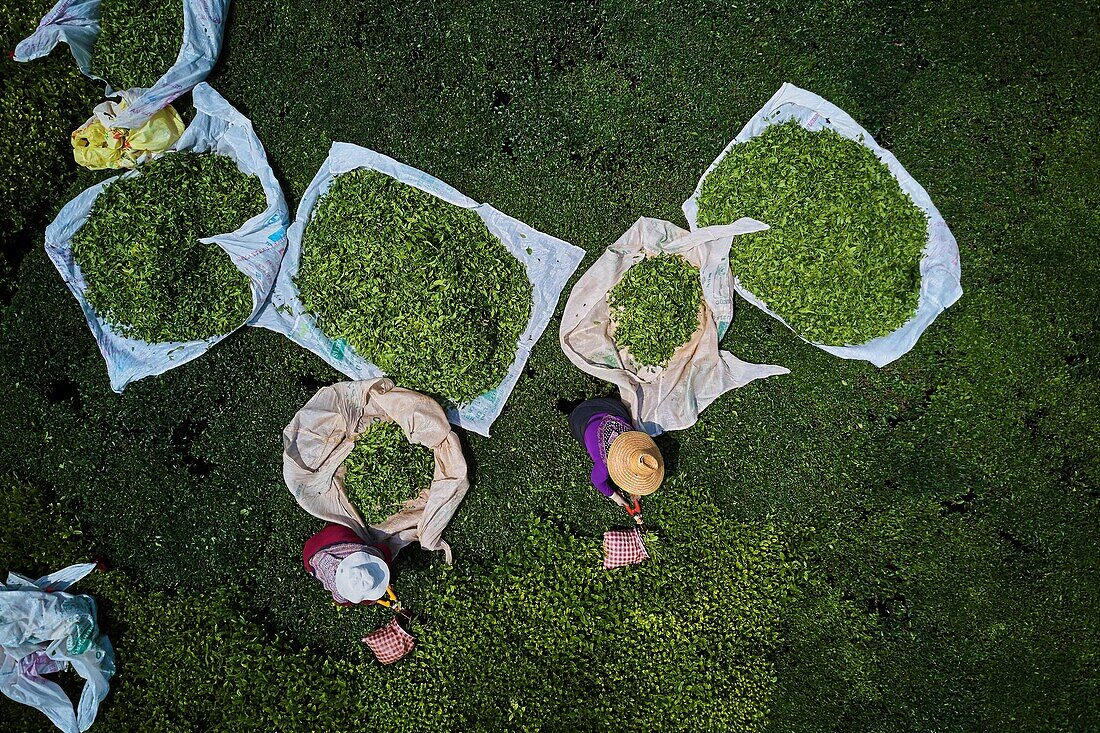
x=415 y=285
x=655 y=308
x=139 y=40
x=384 y=471
x=841 y=262
x=147 y=273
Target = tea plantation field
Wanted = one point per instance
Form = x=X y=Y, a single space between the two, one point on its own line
x=844 y=548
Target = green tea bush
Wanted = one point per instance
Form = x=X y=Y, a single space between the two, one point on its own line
x=39 y=107
x=147 y=272
x=655 y=308
x=950 y=583
x=385 y=470
x=139 y=40
x=841 y=261
x=416 y=285
x=35 y=539
x=543 y=636
x=41 y=103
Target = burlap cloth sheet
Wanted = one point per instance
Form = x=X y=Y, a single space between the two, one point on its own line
x=322 y=434
x=668 y=398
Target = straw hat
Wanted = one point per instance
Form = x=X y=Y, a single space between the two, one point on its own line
x=635 y=463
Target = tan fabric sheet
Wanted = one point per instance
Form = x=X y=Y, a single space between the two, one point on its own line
x=322 y=434
x=672 y=397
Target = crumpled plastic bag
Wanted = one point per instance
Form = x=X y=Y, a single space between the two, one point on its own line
x=44 y=630
x=672 y=397
x=940 y=271
x=98 y=144
x=256 y=248
x=76 y=22
x=548 y=261
x=322 y=434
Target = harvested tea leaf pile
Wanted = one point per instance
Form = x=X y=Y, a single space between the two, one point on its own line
x=655 y=308
x=385 y=470
x=841 y=262
x=415 y=285
x=147 y=273
x=139 y=40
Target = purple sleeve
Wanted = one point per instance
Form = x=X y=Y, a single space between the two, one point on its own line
x=601 y=479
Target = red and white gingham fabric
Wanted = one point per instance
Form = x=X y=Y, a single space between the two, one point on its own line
x=390 y=643
x=623 y=547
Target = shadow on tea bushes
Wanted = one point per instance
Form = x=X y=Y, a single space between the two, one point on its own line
x=41 y=103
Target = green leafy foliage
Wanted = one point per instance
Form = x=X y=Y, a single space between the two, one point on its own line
x=40 y=104
x=630 y=647
x=139 y=251
x=38 y=110
x=35 y=539
x=841 y=261
x=655 y=308
x=949 y=580
x=385 y=470
x=139 y=40
x=415 y=285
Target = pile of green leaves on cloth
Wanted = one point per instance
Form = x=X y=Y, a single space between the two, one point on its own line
x=139 y=40
x=841 y=261
x=416 y=285
x=655 y=308
x=147 y=273
x=385 y=470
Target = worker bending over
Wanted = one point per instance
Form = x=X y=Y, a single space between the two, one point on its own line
x=627 y=463
x=353 y=571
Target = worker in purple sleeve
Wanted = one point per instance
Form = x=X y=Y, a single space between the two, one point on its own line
x=626 y=462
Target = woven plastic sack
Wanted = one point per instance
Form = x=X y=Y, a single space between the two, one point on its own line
x=76 y=22
x=549 y=262
x=44 y=630
x=940 y=269
x=322 y=435
x=389 y=643
x=256 y=248
x=672 y=397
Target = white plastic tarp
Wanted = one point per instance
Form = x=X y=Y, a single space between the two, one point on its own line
x=44 y=630
x=940 y=269
x=256 y=248
x=76 y=22
x=549 y=262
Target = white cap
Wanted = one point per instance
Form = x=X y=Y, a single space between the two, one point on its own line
x=362 y=576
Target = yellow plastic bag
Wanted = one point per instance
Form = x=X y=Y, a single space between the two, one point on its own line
x=97 y=145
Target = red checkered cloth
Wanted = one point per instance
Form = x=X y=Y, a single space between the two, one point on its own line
x=390 y=643
x=623 y=547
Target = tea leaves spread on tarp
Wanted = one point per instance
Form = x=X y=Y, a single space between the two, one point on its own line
x=655 y=308
x=147 y=273
x=841 y=262
x=138 y=41
x=385 y=470
x=416 y=285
